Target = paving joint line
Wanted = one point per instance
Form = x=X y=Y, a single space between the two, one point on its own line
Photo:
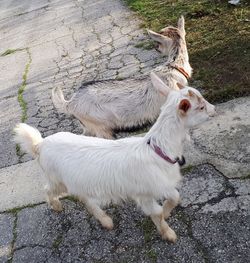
x=185 y=218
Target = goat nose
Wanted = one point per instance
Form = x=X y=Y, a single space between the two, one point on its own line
x=212 y=112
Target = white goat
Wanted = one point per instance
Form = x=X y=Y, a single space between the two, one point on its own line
x=105 y=107
x=99 y=171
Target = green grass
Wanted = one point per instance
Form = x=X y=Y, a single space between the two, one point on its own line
x=22 y=102
x=57 y=241
x=148 y=229
x=244 y=177
x=71 y=198
x=18 y=209
x=218 y=39
x=187 y=169
x=14 y=231
x=10 y=51
x=147 y=44
x=152 y=255
x=18 y=150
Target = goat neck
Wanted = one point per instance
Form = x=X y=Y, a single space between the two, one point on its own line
x=179 y=58
x=168 y=132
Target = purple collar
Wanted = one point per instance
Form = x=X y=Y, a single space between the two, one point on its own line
x=158 y=151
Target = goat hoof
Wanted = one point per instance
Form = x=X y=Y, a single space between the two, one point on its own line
x=169 y=235
x=107 y=223
x=57 y=207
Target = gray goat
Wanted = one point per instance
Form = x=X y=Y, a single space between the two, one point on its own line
x=105 y=107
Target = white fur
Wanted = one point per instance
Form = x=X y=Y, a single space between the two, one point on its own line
x=28 y=138
x=100 y=171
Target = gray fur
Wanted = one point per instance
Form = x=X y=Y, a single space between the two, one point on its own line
x=105 y=106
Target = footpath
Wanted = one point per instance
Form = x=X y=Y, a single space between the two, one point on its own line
x=63 y=43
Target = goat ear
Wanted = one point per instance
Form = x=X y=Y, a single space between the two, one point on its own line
x=158 y=37
x=184 y=106
x=181 y=24
x=159 y=84
x=180 y=86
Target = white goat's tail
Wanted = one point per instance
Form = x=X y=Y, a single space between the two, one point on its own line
x=58 y=100
x=28 y=138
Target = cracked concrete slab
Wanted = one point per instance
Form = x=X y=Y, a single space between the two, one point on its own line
x=6 y=237
x=204 y=235
x=10 y=114
x=74 y=41
x=207 y=196
x=225 y=140
x=241 y=188
x=224 y=237
x=20 y=185
x=201 y=186
x=36 y=254
x=70 y=42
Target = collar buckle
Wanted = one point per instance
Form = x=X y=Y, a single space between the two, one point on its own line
x=181 y=161
x=159 y=152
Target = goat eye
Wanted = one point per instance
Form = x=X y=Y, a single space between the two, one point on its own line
x=202 y=108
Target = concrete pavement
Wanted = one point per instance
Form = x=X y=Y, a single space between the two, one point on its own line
x=64 y=43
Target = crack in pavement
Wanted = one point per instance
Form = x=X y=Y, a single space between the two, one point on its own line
x=185 y=218
x=25 y=13
x=85 y=44
x=21 y=101
x=14 y=232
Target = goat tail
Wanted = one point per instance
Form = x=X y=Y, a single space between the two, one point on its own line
x=59 y=101
x=28 y=138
